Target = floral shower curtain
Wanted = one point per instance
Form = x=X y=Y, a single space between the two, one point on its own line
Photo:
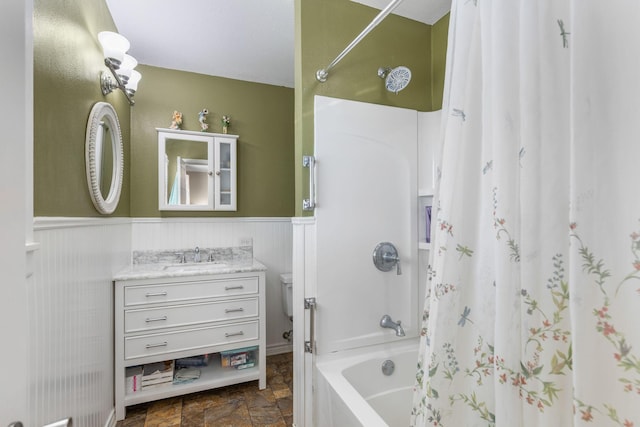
x=532 y=315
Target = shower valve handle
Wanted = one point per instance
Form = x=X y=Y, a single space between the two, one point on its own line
x=395 y=259
x=385 y=257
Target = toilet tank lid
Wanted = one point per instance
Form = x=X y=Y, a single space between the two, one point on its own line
x=286 y=278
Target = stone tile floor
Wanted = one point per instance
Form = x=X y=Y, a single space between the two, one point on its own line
x=240 y=405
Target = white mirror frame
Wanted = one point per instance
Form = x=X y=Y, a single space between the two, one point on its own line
x=103 y=112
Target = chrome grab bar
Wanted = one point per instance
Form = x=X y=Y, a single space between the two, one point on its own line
x=310 y=203
x=310 y=304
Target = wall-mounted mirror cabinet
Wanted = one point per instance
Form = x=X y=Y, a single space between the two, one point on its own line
x=196 y=171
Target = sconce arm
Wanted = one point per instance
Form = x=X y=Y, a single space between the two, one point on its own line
x=107 y=85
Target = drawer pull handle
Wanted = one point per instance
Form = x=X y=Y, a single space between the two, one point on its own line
x=155 y=319
x=231 y=288
x=233 y=310
x=233 y=334
x=161 y=344
x=156 y=294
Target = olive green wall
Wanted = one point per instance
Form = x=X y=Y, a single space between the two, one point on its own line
x=67 y=65
x=323 y=29
x=439 y=36
x=261 y=114
x=271 y=180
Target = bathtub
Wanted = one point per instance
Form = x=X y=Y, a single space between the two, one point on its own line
x=351 y=389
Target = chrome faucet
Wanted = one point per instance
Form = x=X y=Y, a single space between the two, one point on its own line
x=387 y=322
x=196 y=255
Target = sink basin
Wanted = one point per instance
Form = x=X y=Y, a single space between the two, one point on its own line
x=194 y=266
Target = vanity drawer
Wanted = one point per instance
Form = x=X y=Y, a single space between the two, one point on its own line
x=146 y=319
x=191 y=339
x=184 y=291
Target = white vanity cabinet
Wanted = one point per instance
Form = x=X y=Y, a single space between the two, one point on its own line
x=167 y=318
x=196 y=171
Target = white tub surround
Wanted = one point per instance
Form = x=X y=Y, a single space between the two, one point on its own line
x=333 y=250
x=352 y=294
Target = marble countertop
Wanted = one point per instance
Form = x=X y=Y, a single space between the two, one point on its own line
x=162 y=270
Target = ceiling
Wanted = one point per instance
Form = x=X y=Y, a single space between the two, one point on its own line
x=426 y=11
x=251 y=40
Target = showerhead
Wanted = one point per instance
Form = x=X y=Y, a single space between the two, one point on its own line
x=395 y=79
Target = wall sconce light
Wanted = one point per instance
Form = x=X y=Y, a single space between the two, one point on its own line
x=121 y=65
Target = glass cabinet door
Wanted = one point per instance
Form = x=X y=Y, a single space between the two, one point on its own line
x=225 y=176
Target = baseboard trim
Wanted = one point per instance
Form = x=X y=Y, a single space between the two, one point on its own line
x=274 y=349
x=111 y=421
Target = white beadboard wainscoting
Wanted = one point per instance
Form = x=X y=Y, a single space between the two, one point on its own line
x=272 y=246
x=70 y=299
x=71 y=318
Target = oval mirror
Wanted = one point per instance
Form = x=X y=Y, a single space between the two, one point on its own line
x=104 y=159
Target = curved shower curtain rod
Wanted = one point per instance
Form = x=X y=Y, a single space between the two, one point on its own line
x=323 y=73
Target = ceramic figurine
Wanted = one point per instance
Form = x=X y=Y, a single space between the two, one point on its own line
x=176 y=120
x=226 y=121
x=202 y=116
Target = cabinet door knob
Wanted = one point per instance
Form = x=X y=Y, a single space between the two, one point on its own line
x=210 y=173
x=218 y=173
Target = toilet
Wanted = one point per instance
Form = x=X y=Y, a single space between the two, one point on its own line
x=286 y=287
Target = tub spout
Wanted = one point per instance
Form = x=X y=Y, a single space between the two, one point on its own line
x=387 y=322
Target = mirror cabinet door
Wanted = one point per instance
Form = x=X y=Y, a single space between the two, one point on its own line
x=196 y=171
x=185 y=170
